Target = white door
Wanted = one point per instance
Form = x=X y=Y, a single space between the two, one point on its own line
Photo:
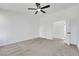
x=73 y=31
x=68 y=31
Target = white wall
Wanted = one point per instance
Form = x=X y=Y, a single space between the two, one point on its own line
x=16 y=27
x=66 y=14
x=77 y=13
x=45 y=28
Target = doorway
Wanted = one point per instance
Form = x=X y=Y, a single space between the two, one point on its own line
x=59 y=29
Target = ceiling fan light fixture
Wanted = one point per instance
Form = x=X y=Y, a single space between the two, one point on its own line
x=38 y=9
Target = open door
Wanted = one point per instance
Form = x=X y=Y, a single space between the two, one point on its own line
x=71 y=31
x=68 y=31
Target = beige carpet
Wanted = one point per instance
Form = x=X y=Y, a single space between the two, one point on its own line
x=39 y=47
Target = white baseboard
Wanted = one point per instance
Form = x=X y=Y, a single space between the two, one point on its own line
x=7 y=43
x=29 y=38
x=46 y=37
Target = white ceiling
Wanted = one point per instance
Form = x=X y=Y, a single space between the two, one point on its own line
x=22 y=7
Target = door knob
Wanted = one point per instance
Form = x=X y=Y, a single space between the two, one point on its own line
x=68 y=32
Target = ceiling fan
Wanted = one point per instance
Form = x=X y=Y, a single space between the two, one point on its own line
x=39 y=8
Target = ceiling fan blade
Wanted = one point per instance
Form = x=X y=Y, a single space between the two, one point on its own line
x=36 y=12
x=37 y=4
x=45 y=7
x=42 y=11
x=32 y=9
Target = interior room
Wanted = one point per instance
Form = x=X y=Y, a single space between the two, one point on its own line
x=39 y=29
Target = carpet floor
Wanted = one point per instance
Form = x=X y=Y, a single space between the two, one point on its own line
x=39 y=47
